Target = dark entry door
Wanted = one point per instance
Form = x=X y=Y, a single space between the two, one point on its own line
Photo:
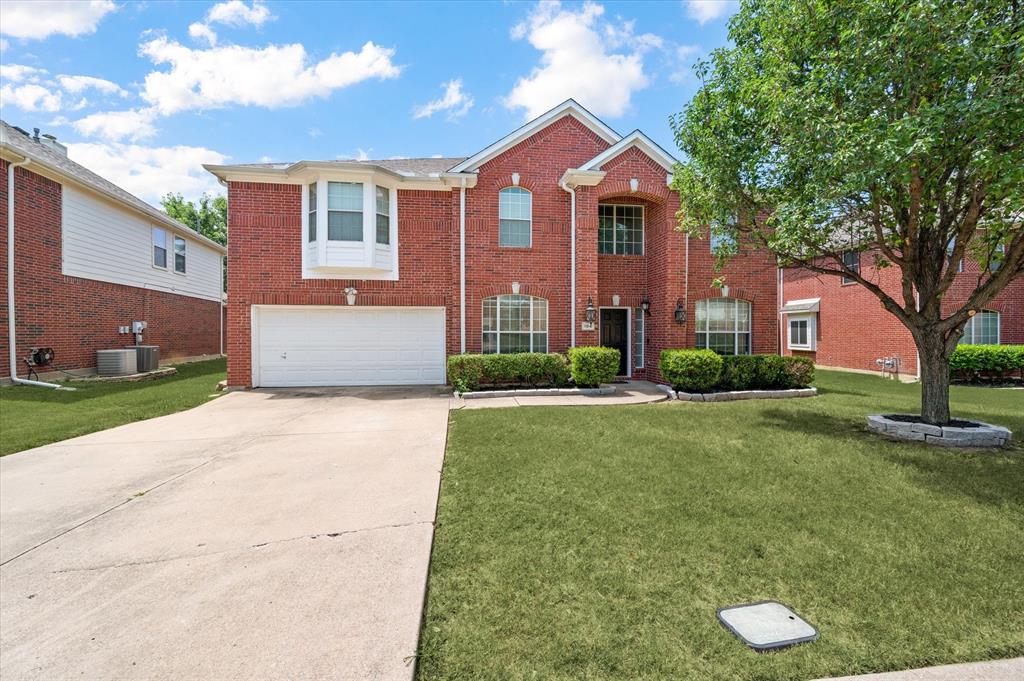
x=615 y=334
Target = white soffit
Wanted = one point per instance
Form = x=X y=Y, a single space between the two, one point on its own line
x=634 y=139
x=804 y=305
x=567 y=108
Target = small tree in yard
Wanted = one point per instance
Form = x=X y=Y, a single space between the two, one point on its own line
x=891 y=128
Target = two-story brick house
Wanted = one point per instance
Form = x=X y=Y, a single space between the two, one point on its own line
x=562 y=233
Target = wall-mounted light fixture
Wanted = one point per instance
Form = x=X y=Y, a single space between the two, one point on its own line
x=591 y=313
x=515 y=179
x=680 y=313
x=645 y=305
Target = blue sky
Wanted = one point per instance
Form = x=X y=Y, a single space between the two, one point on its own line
x=143 y=93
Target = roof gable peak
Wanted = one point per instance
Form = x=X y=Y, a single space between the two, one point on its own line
x=634 y=139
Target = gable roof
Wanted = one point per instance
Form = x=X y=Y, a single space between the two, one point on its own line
x=634 y=139
x=569 y=107
x=56 y=163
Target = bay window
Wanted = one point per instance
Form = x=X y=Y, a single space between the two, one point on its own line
x=344 y=211
x=383 y=215
x=801 y=334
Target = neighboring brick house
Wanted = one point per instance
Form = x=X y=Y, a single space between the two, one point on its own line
x=90 y=258
x=839 y=323
x=559 y=234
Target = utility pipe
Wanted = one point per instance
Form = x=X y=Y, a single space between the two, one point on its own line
x=572 y=265
x=11 y=322
x=462 y=267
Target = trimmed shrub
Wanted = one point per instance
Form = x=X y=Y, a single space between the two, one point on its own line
x=691 y=370
x=771 y=373
x=739 y=372
x=971 y=362
x=799 y=372
x=592 y=366
x=533 y=369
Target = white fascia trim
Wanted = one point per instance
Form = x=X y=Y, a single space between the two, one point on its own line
x=633 y=139
x=574 y=177
x=305 y=172
x=567 y=108
x=40 y=167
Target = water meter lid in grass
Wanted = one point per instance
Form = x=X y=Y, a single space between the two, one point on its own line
x=766 y=625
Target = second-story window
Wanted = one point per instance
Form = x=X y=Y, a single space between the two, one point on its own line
x=311 y=230
x=159 y=248
x=515 y=217
x=179 y=255
x=383 y=215
x=851 y=259
x=620 y=229
x=344 y=211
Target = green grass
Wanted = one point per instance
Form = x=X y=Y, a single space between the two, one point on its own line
x=31 y=416
x=597 y=542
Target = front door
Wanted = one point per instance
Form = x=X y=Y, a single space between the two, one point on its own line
x=615 y=334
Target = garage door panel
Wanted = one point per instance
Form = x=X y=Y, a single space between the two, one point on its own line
x=324 y=346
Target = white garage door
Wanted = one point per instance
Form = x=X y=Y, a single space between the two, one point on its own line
x=307 y=346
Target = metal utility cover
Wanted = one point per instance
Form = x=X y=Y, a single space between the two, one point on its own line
x=766 y=625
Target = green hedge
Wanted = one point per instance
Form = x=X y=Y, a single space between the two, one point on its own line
x=533 y=369
x=973 y=361
x=691 y=370
x=699 y=371
x=592 y=366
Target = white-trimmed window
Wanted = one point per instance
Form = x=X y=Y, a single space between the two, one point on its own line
x=179 y=255
x=311 y=215
x=638 y=338
x=723 y=325
x=852 y=261
x=801 y=332
x=383 y=215
x=344 y=211
x=515 y=217
x=620 y=229
x=997 y=258
x=982 y=329
x=159 y=248
x=515 y=323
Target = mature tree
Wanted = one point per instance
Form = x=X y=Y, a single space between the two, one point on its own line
x=894 y=128
x=208 y=216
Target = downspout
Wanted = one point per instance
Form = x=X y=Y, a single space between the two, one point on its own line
x=781 y=293
x=572 y=265
x=462 y=267
x=11 y=322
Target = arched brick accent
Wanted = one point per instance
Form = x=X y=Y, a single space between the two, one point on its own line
x=621 y=189
x=492 y=290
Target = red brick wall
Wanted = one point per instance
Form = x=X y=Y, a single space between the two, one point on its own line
x=854 y=329
x=266 y=241
x=78 y=316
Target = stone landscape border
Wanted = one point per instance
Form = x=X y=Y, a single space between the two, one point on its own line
x=733 y=395
x=536 y=392
x=983 y=435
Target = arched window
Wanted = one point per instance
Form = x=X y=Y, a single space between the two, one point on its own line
x=723 y=325
x=982 y=329
x=515 y=323
x=515 y=217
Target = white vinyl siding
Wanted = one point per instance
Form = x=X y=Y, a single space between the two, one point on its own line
x=104 y=242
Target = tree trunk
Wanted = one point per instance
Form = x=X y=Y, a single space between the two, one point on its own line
x=934 y=359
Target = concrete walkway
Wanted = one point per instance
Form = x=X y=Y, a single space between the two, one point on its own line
x=268 y=534
x=1000 y=670
x=630 y=392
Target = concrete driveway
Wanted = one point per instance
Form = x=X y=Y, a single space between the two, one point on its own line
x=265 y=535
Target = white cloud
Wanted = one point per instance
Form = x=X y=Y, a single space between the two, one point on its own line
x=203 y=32
x=151 y=172
x=576 y=62
x=271 y=77
x=76 y=84
x=685 y=56
x=31 y=97
x=315 y=132
x=133 y=124
x=37 y=19
x=456 y=102
x=704 y=11
x=237 y=13
x=15 y=73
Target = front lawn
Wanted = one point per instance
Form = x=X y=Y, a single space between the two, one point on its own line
x=31 y=416
x=597 y=542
